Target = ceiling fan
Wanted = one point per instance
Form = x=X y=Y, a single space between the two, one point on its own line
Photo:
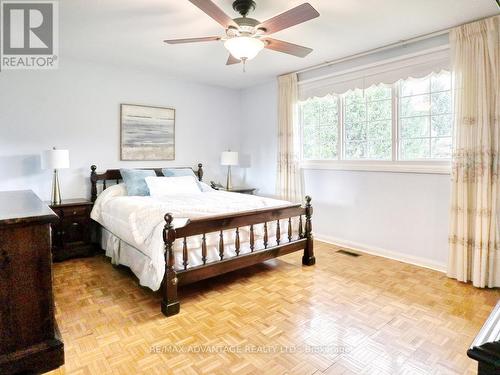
x=245 y=37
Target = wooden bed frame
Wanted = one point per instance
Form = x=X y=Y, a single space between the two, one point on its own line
x=217 y=224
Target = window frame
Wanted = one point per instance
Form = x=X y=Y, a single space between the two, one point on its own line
x=424 y=165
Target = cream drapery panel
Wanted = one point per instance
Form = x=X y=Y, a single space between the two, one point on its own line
x=289 y=180
x=475 y=205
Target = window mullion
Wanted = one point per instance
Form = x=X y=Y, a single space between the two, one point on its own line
x=340 y=128
x=316 y=132
x=395 y=121
x=366 y=126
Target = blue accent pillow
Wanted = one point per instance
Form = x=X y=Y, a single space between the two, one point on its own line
x=135 y=182
x=181 y=172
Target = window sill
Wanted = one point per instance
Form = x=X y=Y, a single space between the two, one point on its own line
x=425 y=167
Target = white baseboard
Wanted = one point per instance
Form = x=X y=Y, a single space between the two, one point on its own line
x=372 y=250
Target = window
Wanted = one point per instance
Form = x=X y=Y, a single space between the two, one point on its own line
x=410 y=120
x=320 y=125
x=368 y=123
x=425 y=117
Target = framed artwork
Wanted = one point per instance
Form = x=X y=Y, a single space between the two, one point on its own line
x=147 y=133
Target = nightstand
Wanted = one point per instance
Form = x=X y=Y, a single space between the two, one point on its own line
x=242 y=190
x=71 y=234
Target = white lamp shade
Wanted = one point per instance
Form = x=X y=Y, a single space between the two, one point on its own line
x=244 y=47
x=55 y=159
x=229 y=158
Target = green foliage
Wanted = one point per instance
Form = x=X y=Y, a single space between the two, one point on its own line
x=414 y=127
x=379 y=110
x=380 y=130
x=417 y=148
x=441 y=103
x=424 y=116
x=414 y=106
x=380 y=149
x=425 y=121
x=355 y=131
x=441 y=125
x=379 y=92
x=319 y=128
x=356 y=150
x=368 y=123
x=441 y=148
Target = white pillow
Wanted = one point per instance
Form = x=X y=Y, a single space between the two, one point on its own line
x=161 y=186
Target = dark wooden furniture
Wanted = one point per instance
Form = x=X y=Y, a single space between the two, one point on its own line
x=486 y=346
x=71 y=234
x=242 y=190
x=29 y=338
x=236 y=189
x=200 y=227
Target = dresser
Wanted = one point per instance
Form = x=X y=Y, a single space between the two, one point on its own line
x=29 y=338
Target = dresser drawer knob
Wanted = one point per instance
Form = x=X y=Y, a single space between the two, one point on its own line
x=75 y=212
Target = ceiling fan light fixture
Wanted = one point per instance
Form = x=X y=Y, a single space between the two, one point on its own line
x=244 y=47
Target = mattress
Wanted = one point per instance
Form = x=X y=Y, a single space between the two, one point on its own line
x=132 y=232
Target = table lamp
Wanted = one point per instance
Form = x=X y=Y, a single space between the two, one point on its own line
x=55 y=159
x=229 y=158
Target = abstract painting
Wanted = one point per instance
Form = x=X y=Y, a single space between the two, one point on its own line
x=147 y=133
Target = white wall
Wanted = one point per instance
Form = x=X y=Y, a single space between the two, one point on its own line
x=77 y=107
x=400 y=215
x=259 y=136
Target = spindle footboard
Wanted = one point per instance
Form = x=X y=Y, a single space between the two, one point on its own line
x=173 y=277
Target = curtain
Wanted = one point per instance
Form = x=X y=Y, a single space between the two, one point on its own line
x=475 y=207
x=289 y=180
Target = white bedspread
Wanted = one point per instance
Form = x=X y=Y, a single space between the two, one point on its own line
x=139 y=222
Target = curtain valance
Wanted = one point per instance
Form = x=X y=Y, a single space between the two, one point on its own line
x=388 y=71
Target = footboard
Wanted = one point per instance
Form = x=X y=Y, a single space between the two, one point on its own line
x=218 y=224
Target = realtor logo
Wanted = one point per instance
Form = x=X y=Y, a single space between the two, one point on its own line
x=29 y=35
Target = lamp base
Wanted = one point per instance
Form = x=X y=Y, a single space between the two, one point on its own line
x=229 y=185
x=56 y=192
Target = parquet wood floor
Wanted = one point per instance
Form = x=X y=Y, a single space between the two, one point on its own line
x=345 y=315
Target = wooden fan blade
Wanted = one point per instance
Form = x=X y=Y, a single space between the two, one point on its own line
x=232 y=60
x=292 y=17
x=285 y=47
x=215 y=12
x=192 y=40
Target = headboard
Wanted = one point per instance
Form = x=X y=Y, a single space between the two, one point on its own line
x=115 y=175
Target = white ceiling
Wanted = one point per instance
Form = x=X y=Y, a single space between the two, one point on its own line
x=131 y=33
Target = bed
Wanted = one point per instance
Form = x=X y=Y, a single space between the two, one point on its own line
x=176 y=240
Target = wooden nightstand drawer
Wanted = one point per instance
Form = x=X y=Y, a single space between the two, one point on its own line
x=69 y=212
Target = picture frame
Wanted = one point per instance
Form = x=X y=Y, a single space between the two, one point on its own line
x=147 y=133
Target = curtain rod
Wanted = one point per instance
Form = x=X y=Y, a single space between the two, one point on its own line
x=385 y=47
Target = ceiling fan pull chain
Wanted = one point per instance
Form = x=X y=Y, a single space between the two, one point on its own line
x=244 y=64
